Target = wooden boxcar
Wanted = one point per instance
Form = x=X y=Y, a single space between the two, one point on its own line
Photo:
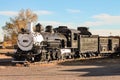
x=108 y=44
x=88 y=44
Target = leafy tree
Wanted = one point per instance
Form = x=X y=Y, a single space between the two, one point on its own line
x=13 y=27
x=6 y=38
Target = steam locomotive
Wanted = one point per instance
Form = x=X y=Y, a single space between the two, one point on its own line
x=62 y=43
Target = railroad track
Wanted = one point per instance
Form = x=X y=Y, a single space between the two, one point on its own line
x=8 y=62
x=55 y=62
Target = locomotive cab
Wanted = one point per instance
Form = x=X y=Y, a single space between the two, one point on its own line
x=70 y=34
x=72 y=38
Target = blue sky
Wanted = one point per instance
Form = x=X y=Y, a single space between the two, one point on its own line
x=101 y=16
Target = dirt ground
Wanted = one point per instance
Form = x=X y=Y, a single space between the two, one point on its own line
x=95 y=69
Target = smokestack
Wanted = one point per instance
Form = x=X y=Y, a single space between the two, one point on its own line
x=30 y=27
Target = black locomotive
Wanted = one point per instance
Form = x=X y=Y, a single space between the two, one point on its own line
x=62 y=43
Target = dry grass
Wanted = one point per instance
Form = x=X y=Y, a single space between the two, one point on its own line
x=6 y=51
x=4 y=56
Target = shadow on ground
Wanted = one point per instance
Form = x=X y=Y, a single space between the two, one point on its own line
x=103 y=67
x=6 y=62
